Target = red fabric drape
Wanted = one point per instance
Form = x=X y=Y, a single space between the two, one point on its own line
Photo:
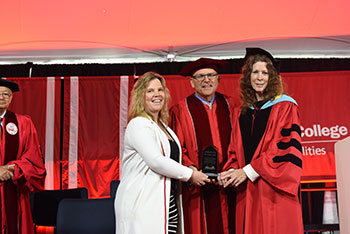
x=93 y=108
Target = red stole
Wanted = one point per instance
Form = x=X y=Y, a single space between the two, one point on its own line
x=211 y=193
x=9 y=191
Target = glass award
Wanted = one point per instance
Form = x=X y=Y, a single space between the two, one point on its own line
x=210 y=162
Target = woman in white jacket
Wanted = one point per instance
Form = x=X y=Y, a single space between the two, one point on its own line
x=147 y=199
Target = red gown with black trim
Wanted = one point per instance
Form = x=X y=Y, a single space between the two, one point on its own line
x=270 y=204
x=19 y=145
x=206 y=209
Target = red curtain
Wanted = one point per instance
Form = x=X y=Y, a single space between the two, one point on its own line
x=95 y=111
x=82 y=120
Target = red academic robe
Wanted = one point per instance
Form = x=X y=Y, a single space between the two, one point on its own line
x=270 y=204
x=19 y=145
x=206 y=209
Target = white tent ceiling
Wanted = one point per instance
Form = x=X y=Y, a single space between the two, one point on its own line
x=115 y=31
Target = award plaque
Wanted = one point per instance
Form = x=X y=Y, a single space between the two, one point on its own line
x=210 y=162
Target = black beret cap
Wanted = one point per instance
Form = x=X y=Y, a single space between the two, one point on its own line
x=258 y=51
x=201 y=63
x=9 y=84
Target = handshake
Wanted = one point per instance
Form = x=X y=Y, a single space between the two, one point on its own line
x=230 y=178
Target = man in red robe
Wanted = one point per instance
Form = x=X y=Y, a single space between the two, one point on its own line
x=22 y=167
x=199 y=121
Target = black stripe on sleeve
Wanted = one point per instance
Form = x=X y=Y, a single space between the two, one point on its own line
x=292 y=143
x=287 y=131
x=288 y=158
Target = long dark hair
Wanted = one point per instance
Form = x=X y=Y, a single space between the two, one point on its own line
x=274 y=87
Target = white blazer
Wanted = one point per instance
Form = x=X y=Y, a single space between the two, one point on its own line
x=142 y=199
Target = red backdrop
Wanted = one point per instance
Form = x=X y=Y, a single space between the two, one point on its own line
x=83 y=120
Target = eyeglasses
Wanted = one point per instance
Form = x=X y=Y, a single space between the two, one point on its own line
x=5 y=95
x=201 y=77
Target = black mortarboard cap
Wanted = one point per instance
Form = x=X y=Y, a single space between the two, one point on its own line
x=201 y=63
x=258 y=51
x=9 y=84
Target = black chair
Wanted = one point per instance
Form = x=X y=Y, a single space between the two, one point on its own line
x=44 y=204
x=114 y=186
x=86 y=216
x=320 y=228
